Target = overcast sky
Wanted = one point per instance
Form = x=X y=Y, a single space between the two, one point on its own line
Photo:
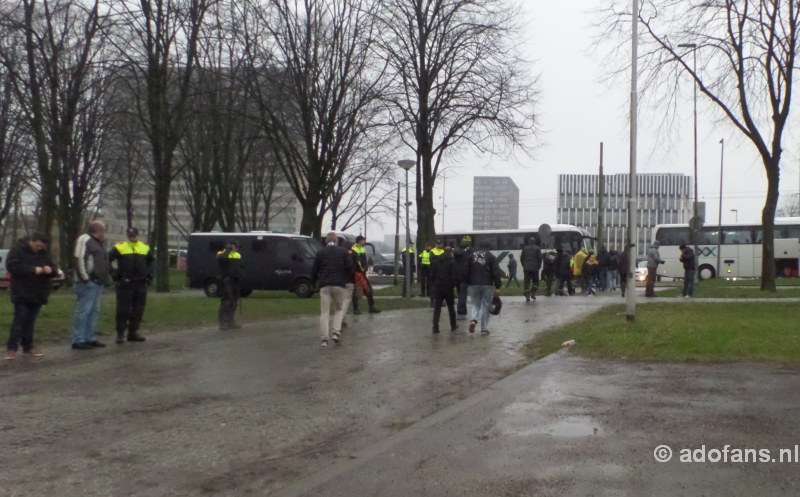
x=577 y=111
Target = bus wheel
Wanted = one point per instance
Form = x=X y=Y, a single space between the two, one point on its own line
x=706 y=272
x=211 y=288
x=303 y=288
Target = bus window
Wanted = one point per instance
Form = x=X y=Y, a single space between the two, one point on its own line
x=511 y=241
x=792 y=231
x=482 y=240
x=673 y=236
x=736 y=236
x=709 y=235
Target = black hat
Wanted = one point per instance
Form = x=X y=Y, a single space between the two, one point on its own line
x=133 y=232
x=360 y=238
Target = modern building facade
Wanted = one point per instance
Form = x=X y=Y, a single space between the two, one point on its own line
x=495 y=203
x=662 y=198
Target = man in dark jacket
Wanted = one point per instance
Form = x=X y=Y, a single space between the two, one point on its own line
x=91 y=277
x=31 y=270
x=689 y=266
x=531 y=263
x=461 y=256
x=563 y=273
x=443 y=276
x=332 y=269
x=549 y=271
x=483 y=271
x=134 y=261
x=229 y=262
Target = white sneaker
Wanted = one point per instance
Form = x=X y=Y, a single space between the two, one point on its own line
x=323 y=343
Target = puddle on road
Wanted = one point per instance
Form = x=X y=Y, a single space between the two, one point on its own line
x=522 y=421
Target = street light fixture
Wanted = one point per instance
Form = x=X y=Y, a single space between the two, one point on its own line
x=406 y=165
x=695 y=227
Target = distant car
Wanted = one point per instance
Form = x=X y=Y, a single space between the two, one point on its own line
x=386 y=267
x=641 y=271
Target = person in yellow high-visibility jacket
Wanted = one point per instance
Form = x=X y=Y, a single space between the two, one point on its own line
x=424 y=270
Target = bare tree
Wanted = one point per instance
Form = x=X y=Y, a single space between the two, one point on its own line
x=318 y=88
x=15 y=150
x=747 y=55
x=57 y=85
x=457 y=82
x=160 y=45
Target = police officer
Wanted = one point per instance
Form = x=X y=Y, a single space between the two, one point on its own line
x=134 y=260
x=435 y=253
x=359 y=254
x=425 y=270
x=229 y=261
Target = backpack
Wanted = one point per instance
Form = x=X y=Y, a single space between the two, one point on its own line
x=550 y=259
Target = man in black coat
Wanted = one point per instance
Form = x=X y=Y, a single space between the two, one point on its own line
x=333 y=269
x=443 y=278
x=482 y=272
x=31 y=271
x=531 y=263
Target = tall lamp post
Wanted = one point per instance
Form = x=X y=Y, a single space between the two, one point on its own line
x=406 y=165
x=719 y=219
x=630 y=303
x=695 y=227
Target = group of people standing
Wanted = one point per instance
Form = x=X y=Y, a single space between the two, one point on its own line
x=128 y=263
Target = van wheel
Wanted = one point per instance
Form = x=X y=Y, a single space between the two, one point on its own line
x=245 y=292
x=211 y=288
x=303 y=289
x=706 y=272
x=379 y=272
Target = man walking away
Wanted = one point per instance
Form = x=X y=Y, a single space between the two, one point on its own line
x=612 y=270
x=549 y=271
x=689 y=266
x=601 y=279
x=443 y=271
x=359 y=254
x=461 y=256
x=31 y=269
x=134 y=261
x=91 y=276
x=482 y=272
x=653 y=260
x=531 y=263
x=512 y=271
x=563 y=273
x=332 y=269
x=229 y=262
x=435 y=253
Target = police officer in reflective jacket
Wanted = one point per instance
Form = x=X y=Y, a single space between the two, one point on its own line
x=133 y=260
x=229 y=262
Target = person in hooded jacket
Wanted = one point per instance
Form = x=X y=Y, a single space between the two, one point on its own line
x=31 y=272
x=461 y=255
x=443 y=278
x=483 y=271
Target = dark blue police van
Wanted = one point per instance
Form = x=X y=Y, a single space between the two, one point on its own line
x=270 y=261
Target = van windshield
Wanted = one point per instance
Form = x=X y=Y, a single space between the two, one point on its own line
x=308 y=247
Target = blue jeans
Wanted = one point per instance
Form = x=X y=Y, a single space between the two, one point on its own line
x=481 y=296
x=612 y=279
x=87 y=310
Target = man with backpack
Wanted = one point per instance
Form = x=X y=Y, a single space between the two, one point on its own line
x=531 y=263
x=549 y=271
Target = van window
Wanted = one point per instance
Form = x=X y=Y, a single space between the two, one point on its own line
x=307 y=247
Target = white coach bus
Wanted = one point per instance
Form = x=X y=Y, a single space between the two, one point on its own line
x=740 y=249
x=503 y=242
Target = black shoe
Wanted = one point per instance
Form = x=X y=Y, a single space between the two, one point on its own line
x=436 y=331
x=373 y=310
x=82 y=346
x=135 y=337
x=120 y=339
x=356 y=312
x=96 y=344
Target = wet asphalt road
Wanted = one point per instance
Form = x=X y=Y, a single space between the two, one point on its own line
x=394 y=411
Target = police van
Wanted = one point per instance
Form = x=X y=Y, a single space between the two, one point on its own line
x=270 y=261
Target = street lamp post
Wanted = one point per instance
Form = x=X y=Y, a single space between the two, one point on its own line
x=736 y=212
x=719 y=219
x=695 y=227
x=406 y=165
x=630 y=303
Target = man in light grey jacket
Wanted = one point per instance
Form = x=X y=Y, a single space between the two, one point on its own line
x=653 y=260
x=91 y=276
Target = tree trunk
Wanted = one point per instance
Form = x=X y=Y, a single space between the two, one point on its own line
x=771 y=165
x=162 y=188
x=426 y=229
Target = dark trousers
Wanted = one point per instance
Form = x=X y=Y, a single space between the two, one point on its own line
x=441 y=296
x=512 y=276
x=688 y=282
x=623 y=282
x=230 y=292
x=424 y=279
x=548 y=278
x=22 y=326
x=367 y=293
x=560 y=285
x=463 y=288
x=649 y=288
x=531 y=277
x=131 y=299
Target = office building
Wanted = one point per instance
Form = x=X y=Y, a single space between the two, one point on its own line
x=662 y=198
x=495 y=203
